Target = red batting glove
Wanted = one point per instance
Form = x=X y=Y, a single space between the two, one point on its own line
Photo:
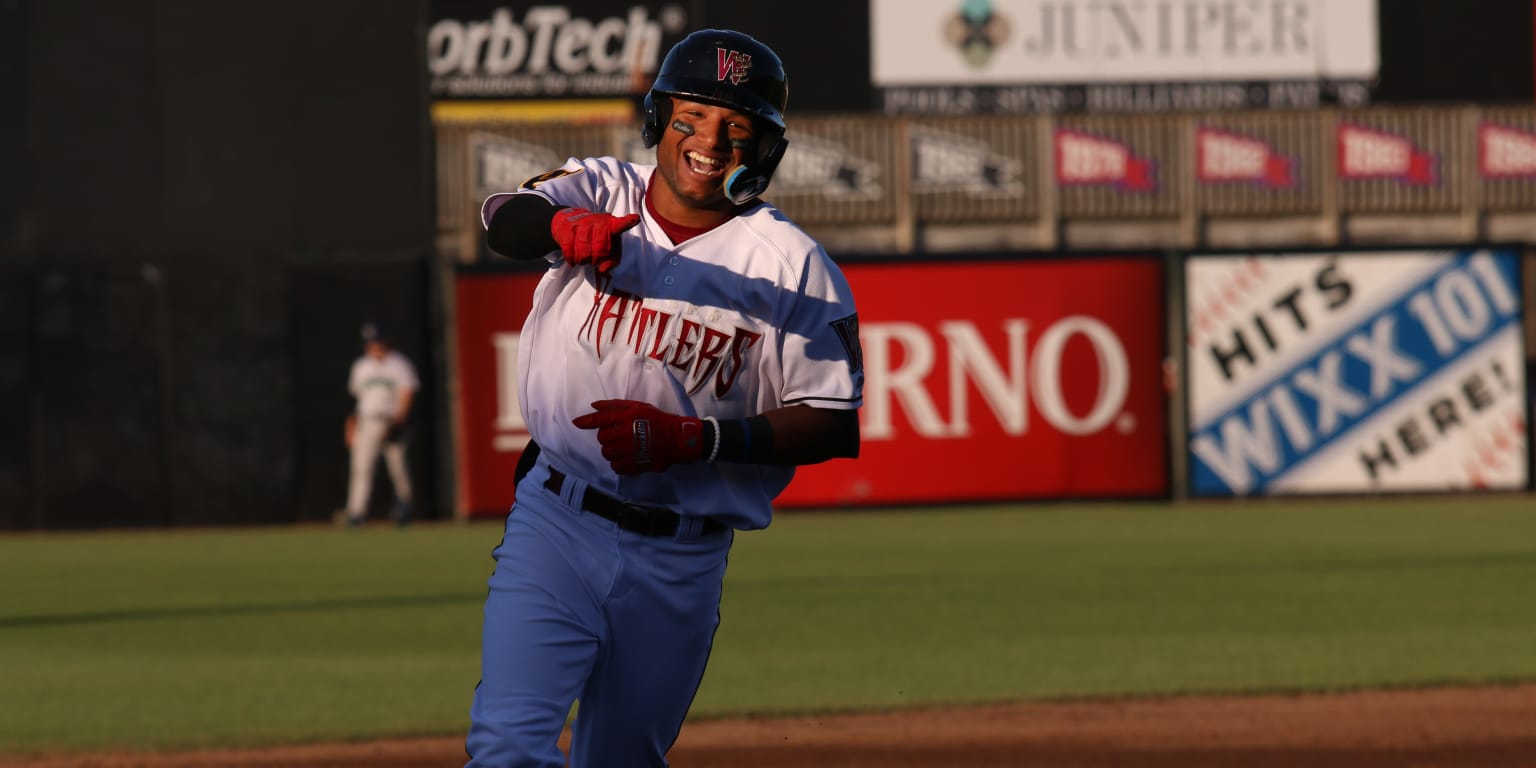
x=587 y=237
x=639 y=437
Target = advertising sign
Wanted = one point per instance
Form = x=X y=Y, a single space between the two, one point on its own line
x=1121 y=55
x=1355 y=372
x=484 y=49
x=1004 y=380
x=1021 y=379
x=489 y=310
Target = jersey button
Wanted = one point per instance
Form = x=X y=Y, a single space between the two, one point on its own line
x=672 y=261
x=668 y=280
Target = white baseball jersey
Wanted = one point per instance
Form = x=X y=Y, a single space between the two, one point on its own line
x=745 y=318
x=378 y=384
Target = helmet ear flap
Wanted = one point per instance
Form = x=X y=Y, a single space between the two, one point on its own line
x=745 y=182
x=658 y=112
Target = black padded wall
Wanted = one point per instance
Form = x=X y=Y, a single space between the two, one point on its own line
x=168 y=167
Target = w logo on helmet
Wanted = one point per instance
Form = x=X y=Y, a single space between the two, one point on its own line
x=732 y=65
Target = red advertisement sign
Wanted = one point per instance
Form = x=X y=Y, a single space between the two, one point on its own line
x=984 y=380
x=489 y=310
x=991 y=380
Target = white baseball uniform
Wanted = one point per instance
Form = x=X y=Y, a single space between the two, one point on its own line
x=378 y=385
x=780 y=329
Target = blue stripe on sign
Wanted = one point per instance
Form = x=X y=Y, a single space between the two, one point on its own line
x=1304 y=410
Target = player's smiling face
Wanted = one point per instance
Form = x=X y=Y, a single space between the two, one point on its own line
x=702 y=144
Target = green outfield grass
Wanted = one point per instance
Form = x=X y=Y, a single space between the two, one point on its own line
x=238 y=637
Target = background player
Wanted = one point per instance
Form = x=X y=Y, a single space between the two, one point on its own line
x=687 y=348
x=384 y=383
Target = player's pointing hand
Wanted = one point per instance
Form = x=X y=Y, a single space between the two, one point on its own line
x=639 y=437
x=590 y=237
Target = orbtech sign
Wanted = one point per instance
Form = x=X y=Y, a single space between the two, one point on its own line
x=479 y=50
x=1355 y=372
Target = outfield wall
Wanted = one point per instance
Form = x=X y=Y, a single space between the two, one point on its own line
x=1018 y=376
x=181 y=280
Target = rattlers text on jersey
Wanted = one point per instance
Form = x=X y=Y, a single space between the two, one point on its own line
x=780 y=329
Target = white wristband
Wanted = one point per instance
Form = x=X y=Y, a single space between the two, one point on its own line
x=716 y=450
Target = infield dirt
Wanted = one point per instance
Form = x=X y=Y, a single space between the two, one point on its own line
x=1487 y=727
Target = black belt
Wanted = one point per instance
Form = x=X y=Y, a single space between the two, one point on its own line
x=646 y=521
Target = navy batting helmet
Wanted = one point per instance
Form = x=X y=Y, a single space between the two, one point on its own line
x=730 y=69
x=373 y=331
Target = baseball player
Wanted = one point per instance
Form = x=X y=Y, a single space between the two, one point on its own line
x=384 y=383
x=687 y=348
